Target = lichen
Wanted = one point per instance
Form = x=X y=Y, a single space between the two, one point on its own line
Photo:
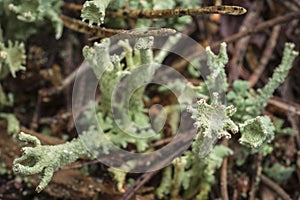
x=38 y=11
x=13 y=124
x=94 y=11
x=45 y=159
x=249 y=102
x=257 y=131
x=12 y=58
x=194 y=170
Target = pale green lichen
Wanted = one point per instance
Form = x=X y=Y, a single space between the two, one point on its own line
x=5 y=99
x=120 y=177
x=179 y=166
x=165 y=184
x=15 y=29
x=216 y=80
x=13 y=124
x=195 y=175
x=278 y=77
x=213 y=120
x=279 y=172
x=249 y=103
x=94 y=11
x=192 y=172
x=257 y=131
x=110 y=71
x=38 y=11
x=12 y=58
x=213 y=162
x=172 y=40
x=60 y=155
x=45 y=159
x=214 y=72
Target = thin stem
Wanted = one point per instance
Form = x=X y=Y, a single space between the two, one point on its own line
x=267 y=54
x=99 y=32
x=224 y=189
x=241 y=45
x=275 y=187
x=154 y=14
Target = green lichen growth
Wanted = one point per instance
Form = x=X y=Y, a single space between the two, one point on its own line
x=193 y=174
x=194 y=171
x=111 y=74
x=216 y=80
x=257 y=131
x=214 y=120
x=278 y=77
x=45 y=159
x=5 y=99
x=279 y=172
x=94 y=11
x=13 y=124
x=39 y=11
x=119 y=177
x=251 y=103
x=111 y=70
x=12 y=58
x=15 y=29
x=179 y=165
x=213 y=162
x=165 y=184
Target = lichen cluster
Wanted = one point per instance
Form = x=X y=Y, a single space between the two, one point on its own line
x=190 y=175
x=214 y=119
x=44 y=159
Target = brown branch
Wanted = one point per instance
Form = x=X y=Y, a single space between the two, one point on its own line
x=289 y=5
x=97 y=32
x=255 y=180
x=36 y=114
x=235 y=194
x=161 y=142
x=241 y=45
x=137 y=184
x=284 y=106
x=265 y=56
x=224 y=189
x=275 y=187
x=167 y=13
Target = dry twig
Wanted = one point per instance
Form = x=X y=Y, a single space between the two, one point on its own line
x=275 y=187
x=224 y=189
x=265 y=56
x=255 y=178
x=241 y=45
